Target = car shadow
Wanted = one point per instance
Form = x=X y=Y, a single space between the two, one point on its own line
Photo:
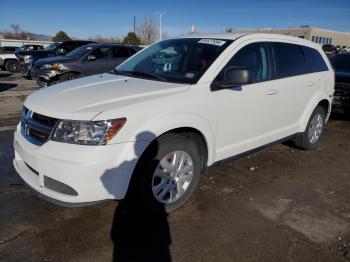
x=6 y=86
x=5 y=75
x=140 y=229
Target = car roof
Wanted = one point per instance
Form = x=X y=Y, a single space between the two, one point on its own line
x=108 y=44
x=32 y=45
x=75 y=41
x=236 y=35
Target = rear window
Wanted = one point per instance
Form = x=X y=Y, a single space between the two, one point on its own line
x=314 y=60
x=290 y=60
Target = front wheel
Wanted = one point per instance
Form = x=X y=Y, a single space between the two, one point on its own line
x=11 y=66
x=168 y=172
x=310 y=137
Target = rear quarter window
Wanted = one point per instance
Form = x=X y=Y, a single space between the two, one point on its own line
x=314 y=60
x=289 y=59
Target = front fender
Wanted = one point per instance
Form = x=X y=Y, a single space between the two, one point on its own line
x=167 y=122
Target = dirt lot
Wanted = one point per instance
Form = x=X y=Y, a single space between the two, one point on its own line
x=282 y=204
x=13 y=90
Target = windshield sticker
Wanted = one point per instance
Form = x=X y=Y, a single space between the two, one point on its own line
x=212 y=42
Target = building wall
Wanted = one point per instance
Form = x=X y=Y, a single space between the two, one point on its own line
x=15 y=42
x=317 y=35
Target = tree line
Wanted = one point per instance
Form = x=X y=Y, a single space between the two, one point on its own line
x=146 y=32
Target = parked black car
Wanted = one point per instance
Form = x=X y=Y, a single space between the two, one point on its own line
x=86 y=60
x=8 y=49
x=29 y=47
x=330 y=50
x=341 y=65
x=27 y=58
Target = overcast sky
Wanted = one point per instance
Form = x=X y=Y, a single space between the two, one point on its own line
x=115 y=18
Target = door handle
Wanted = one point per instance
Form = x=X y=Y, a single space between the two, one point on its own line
x=272 y=92
x=310 y=83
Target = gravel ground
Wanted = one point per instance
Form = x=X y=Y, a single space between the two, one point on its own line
x=282 y=204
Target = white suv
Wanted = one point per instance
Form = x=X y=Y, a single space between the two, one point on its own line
x=151 y=126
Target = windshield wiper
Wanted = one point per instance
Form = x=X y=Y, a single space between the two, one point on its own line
x=141 y=73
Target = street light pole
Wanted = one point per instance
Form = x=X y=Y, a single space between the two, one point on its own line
x=160 y=22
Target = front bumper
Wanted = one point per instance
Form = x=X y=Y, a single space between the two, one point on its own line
x=91 y=173
x=44 y=77
x=24 y=68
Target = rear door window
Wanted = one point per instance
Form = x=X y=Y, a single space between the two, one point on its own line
x=314 y=60
x=101 y=53
x=120 y=52
x=289 y=60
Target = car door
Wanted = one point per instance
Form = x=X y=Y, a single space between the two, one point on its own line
x=119 y=55
x=97 y=61
x=246 y=114
x=295 y=87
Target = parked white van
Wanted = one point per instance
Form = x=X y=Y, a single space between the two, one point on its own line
x=154 y=124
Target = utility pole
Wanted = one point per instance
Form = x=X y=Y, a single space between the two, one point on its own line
x=160 y=22
x=134 y=24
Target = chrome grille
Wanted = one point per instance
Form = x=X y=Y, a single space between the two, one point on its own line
x=36 y=128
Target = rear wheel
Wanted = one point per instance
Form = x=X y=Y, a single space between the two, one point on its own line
x=311 y=136
x=167 y=173
x=11 y=66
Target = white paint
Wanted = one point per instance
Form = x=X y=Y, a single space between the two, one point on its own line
x=231 y=122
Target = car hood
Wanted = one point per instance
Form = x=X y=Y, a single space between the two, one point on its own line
x=87 y=97
x=53 y=60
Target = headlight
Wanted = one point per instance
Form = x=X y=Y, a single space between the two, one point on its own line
x=27 y=59
x=53 y=66
x=87 y=132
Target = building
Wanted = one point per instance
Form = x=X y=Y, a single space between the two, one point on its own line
x=317 y=35
x=16 y=42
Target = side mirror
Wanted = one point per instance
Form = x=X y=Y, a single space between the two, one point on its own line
x=91 y=58
x=234 y=77
x=61 y=51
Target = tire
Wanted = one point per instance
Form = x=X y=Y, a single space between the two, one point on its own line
x=11 y=66
x=315 y=126
x=146 y=180
x=66 y=77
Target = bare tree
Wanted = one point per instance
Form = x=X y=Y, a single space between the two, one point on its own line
x=16 y=28
x=147 y=31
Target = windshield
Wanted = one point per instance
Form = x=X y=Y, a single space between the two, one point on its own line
x=52 y=46
x=341 y=62
x=182 y=60
x=79 y=52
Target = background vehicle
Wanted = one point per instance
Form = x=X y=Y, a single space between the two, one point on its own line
x=7 y=49
x=341 y=101
x=151 y=126
x=330 y=50
x=83 y=61
x=27 y=58
x=8 y=59
x=29 y=47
